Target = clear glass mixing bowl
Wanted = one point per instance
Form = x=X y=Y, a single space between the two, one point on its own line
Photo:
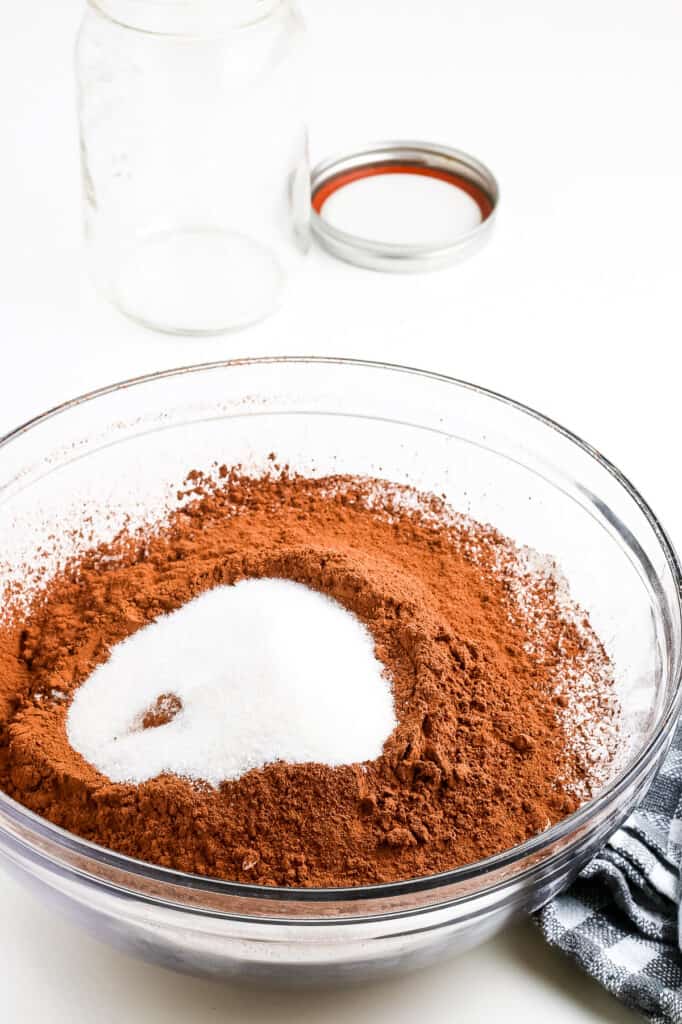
x=121 y=452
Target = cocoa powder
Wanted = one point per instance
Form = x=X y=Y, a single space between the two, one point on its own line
x=485 y=655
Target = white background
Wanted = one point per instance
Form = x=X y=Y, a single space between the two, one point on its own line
x=573 y=308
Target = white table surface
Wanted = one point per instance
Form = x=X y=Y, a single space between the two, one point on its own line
x=573 y=308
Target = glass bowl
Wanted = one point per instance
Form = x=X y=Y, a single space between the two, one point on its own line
x=120 y=452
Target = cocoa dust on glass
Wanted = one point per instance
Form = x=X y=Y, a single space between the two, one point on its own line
x=489 y=662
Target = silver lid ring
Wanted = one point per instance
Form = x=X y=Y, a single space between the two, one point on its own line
x=431 y=160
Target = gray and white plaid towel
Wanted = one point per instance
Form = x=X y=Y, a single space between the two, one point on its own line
x=619 y=921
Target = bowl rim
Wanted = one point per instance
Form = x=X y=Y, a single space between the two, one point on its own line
x=466 y=873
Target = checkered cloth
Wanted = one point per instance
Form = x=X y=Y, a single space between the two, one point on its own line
x=619 y=921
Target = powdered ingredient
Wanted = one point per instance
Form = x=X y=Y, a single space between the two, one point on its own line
x=263 y=671
x=486 y=659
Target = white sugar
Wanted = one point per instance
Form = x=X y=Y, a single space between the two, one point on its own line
x=265 y=670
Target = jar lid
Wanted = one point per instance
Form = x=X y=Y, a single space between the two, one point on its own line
x=403 y=206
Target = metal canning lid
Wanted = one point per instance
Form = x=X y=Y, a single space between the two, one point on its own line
x=406 y=188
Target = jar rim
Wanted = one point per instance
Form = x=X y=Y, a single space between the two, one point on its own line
x=185 y=17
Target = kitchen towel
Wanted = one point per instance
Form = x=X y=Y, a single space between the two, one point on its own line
x=619 y=921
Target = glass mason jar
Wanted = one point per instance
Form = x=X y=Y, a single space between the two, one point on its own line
x=194 y=155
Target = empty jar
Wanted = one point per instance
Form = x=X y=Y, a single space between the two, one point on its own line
x=194 y=155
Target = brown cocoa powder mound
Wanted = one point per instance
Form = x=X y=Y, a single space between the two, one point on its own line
x=483 y=656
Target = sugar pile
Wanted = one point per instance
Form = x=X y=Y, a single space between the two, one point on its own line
x=236 y=678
